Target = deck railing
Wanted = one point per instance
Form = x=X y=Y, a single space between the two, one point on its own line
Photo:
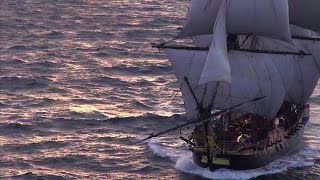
x=274 y=137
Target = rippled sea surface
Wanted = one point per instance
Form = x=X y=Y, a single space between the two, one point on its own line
x=80 y=84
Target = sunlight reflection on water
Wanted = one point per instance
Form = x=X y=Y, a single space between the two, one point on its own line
x=79 y=81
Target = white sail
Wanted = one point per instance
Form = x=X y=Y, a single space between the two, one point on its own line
x=305 y=13
x=268 y=18
x=265 y=17
x=202 y=40
x=253 y=76
x=311 y=47
x=263 y=42
x=217 y=67
x=260 y=42
x=187 y=63
x=308 y=46
x=277 y=93
x=300 y=74
x=201 y=17
x=291 y=68
x=299 y=31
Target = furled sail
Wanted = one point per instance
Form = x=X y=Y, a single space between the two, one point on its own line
x=265 y=17
x=217 y=66
x=253 y=76
x=305 y=13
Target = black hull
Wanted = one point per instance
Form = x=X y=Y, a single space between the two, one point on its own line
x=259 y=158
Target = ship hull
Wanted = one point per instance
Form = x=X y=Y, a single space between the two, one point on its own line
x=258 y=159
x=290 y=141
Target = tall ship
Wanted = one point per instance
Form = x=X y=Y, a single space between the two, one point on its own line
x=246 y=77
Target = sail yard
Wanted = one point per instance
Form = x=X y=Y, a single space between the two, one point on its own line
x=240 y=51
x=267 y=61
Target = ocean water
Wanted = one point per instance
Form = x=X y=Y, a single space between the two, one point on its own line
x=80 y=84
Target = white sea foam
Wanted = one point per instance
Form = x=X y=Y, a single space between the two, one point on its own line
x=183 y=162
x=186 y=164
x=163 y=151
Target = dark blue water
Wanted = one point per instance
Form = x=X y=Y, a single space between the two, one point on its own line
x=80 y=84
